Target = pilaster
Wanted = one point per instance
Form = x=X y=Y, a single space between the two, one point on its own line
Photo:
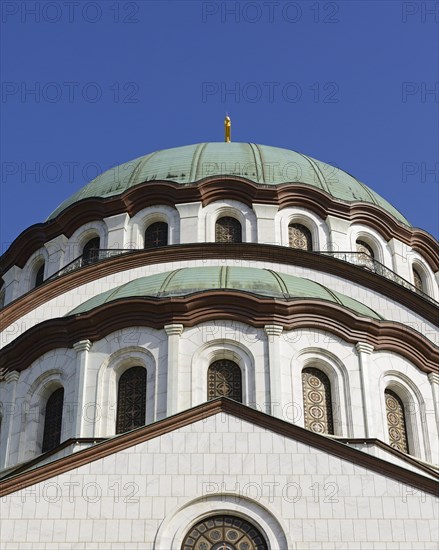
x=9 y=413
x=274 y=364
x=368 y=391
x=174 y=332
x=80 y=427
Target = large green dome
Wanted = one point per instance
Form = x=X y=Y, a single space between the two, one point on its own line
x=259 y=163
x=188 y=280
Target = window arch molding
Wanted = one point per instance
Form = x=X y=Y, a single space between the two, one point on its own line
x=108 y=381
x=238 y=210
x=177 y=524
x=82 y=236
x=316 y=226
x=34 y=405
x=139 y=223
x=425 y=274
x=374 y=240
x=36 y=260
x=338 y=376
x=414 y=412
x=215 y=351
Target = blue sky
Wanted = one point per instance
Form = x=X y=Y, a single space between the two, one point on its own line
x=89 y=85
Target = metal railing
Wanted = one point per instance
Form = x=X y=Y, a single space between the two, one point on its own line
x=359 y=259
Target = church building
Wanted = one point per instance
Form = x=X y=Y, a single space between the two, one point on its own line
x=220 y=346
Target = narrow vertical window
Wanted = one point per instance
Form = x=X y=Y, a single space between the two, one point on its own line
x=228 y=230
x=317 y=403
x=299 y=237
x=131 y=400
x=417 y=279
x=224 y=379
x=396 y=424
x=90 y=252
x=39 y=276
x=53 y=420
x=2 y=295
x=156 y=235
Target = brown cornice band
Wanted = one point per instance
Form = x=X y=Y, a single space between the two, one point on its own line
x=206 y=410
x=219 y=305
x=210 y=190
x=208 y=251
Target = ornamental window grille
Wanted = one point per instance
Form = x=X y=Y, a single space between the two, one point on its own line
x=317 y=402
x=53 y=420
x=39 y=276
x=417 y=279
x=396 y=424
x=224 y=533
x=299 y=237
x=156 y=235
x=131 y=400
x=228 y=230
x=90 y=252
x=224 y=379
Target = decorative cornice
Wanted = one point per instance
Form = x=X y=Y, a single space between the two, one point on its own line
x=82 y=345
x=12 y=376
x=202 y=412
x=273 y=330
x=209 y=190
x=206 y=251
x=434 y=378
x=363 y=347
x=214 y=305
x=174 y=329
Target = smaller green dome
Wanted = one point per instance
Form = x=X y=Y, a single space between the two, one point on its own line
x=188 y=280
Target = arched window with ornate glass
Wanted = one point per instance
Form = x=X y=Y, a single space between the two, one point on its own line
x=300 y=237
x=39 y=276
x=417 y=279
x=228 y=230
x=131 y=400
x=365 y=254
x=90 y=252
x=224 y=379
x=53 y=420
x=156 y=235
x=396 y=423
x=223 y=532
x=317 y=402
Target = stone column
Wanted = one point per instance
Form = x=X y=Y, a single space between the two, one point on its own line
x=189 y=214
x=8 y=415
x=80 y=427
x=368 y=388
x=12 y=283
x=174 y=333
x=116 y=231
x=274 y=365
x=265 y=214
x=433 y=378
x=56 y=249
x=338 y=235
x=400 y=263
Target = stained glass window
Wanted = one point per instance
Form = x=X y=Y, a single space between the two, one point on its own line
x=90 y=252
x=317 y=403
x=131 y=400
x=39 y=276
x=224 y=533
x=417 y=280
x=228 y=230
x=299 y=236
x=53 y=420
x=224 y=379
x=396 y=422
x=156 y=235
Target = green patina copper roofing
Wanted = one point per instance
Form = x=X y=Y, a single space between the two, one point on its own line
x=259 y=163
x=188 y=280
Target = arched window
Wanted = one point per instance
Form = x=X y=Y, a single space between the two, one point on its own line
x=39 y=276
x=53 y=420
x=317 y=405
x=228 y=230
x=224 y=532
x=365 y=255
x=156 y=235
x=299 y=237
x=224 y=379
x=396 y=424
x=417 y=279
x=90 y=252
x=131 y=400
